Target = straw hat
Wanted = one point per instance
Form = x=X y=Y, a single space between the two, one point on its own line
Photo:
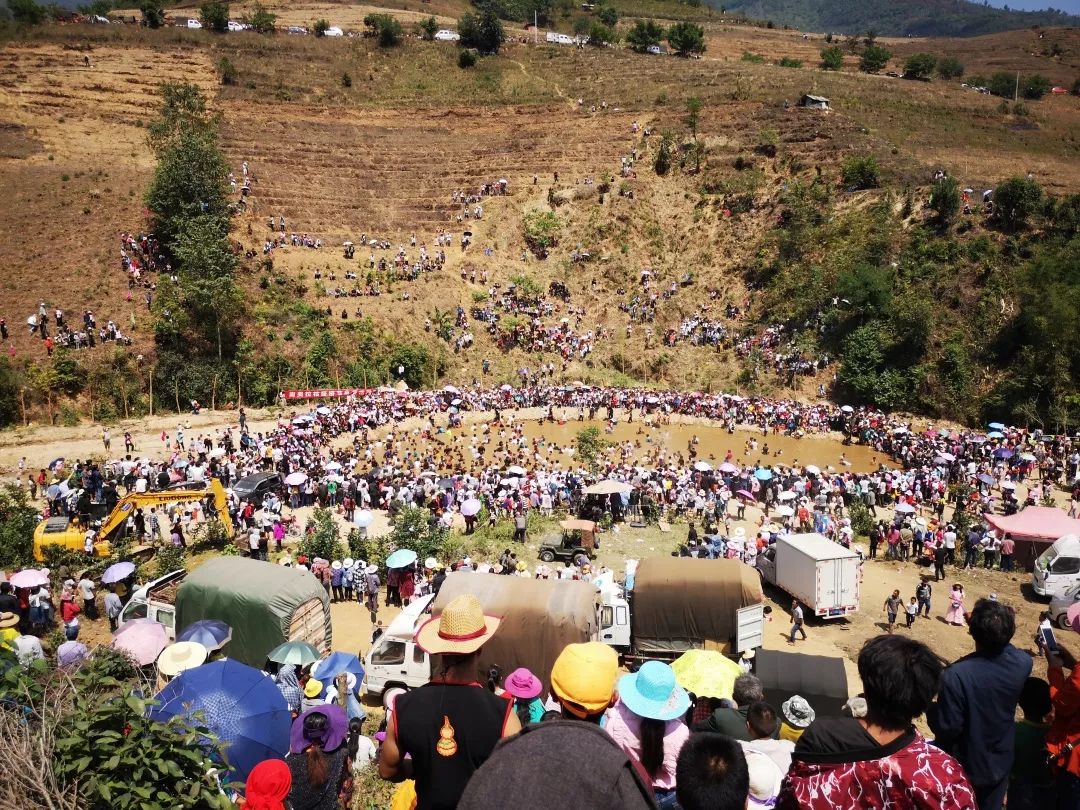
x=8 y=620
x=460 y=629
x=182 y=655
x=313 y=688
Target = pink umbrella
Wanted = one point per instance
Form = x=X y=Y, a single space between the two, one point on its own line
x=742 y=493
x=471 y=507
x=143 y=640
x=30 y=578
x=728 y=467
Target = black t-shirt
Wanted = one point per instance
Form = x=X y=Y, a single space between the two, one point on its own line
x=9 y=603
x=449 y=729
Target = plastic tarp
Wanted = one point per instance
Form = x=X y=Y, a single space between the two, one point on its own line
x=264 y=604
x=1034 y=529
x=539 y=618
x=680 y=603
x=820 y=679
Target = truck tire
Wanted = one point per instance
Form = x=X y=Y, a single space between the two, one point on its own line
x=391 y=693
x=547 y=556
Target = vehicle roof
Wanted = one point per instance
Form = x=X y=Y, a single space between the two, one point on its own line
x=403 y=626
x=818 y=546
x=253 y=481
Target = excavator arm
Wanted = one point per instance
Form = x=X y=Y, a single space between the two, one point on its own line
x=127 y=505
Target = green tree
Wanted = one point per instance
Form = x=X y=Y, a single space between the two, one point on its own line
x=261 y=20
x=386 y=28
x=1076 y=87
x=608 y=15
x=466 y=58
x=482 y=31
x=541 y=231
x=428 y=28
x=1034 y=86
x=662 y=163
x=10 y=384
x=686 y=38
x=18 y=519
x=322 y=536
x=874 y=59
x=321 y=26
x=832 y=58
x=182 y=110
x=1015 y=201
x=1002 y=84
x=215 y=16
x=693 y=115
x=945 y=201
x=27 y=12
x=600 y=35
x=644 y=34
x=190 y=181
x=417 y=529
x=920 y=66
x=949 y=67
x=861 y=172
x=590 y=444
x=153 y=13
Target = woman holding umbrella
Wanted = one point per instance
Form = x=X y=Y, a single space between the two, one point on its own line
x=319 y=760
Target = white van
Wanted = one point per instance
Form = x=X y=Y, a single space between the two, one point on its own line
x=194 y=24
x=446 y=35
x=1058 y=568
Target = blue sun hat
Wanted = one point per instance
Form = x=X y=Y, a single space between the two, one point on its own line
x=652 y=692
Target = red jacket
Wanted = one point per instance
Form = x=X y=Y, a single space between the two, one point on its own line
x=1065 y=730
x=69 y=609
x=836 y=764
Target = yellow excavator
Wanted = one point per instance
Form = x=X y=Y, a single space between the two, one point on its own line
x=70 y=533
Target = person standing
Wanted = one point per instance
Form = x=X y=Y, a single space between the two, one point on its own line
x=441 y=733
x=1063 y=736
x=86 y=590
x=113 y=606
x=976 y=705
x=796 y=621
x=106 y=439
x=955 y=613
x=1008 y=548
x=875 y=538
x=922 y=593
x=892 y=608
x=941 y=554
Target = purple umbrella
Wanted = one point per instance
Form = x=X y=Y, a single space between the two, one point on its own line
x=1003 y=452
x=742 y=493
x=70 y=654
x=728 y=467
x=471 y=507
x=143 y=640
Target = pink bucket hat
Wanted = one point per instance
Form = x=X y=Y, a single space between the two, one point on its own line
x=522 y=684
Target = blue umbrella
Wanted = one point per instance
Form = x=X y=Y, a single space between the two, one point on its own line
x=996 y=426
x=211 y=633
x=118 y=572
x=241 y=706
x=1003 y=452
x=337 y=663
x=984 y=478
x=401 y=558
x=995 y=434
x=763 y=475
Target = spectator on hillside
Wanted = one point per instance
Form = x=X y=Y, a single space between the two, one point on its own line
x=973 y=716
x=880 y=757
x=567 y=762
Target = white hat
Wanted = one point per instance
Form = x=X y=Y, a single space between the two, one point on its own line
x=739 y=533
x=336 y=565
x=371 y=569
x=765 y=778
x=348 y=562
x=797 y=711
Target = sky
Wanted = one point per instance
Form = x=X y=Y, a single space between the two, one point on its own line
x=1069 y=6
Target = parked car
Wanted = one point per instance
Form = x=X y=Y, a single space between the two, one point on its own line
x=194 y=24
x=333 y=31
x=255 y=487
x=655 y=50
x=297 y=29
x=446 y=35
x=1059 y=607
x=236 y=26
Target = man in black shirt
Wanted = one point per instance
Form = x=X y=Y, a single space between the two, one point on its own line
x=9 y=602
x=450 y=726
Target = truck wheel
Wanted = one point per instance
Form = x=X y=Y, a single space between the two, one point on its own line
x=1063 y=621
x=547 y=556
x=390 y=694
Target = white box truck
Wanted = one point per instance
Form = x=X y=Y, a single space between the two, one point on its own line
x=823 y=575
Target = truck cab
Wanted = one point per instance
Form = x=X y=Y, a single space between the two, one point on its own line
x=155 y=601
x=1058 y=568
x=395 y=662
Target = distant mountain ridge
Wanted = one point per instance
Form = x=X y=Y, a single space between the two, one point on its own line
x=922 y=18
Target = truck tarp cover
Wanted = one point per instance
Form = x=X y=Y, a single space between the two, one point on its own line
x=540 y=617
x=680 y=602
x=258 y=600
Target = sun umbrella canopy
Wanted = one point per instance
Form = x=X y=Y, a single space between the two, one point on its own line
x=295 y=479
x=401 y=558
x=1003 y=452
x=118 y=572
x=728 y=467
x=984 y=478
x=298 y=653
x=364 y=518
x=706 y=673
x=703 y=466
x=331 y=466
x=742 y=493
x=211 y=633
x=905 y=508
x=30 y=578
x=995 y=434
x=847 y=409
x=143 y=640
x=516 y=470
x=335 y=664
x=608 y=487
x=471 y=507
x=787 y=496
x=812 y=469
x=763 y=475
x=784 y=511
x=240 y=705
x=996 y=426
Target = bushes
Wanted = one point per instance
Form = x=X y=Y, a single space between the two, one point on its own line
x=1034 y=87
x=874 y=58
x=861 y=172
x=788 y=62
x=644 y=34
x=920 y=66
x=321 y=26
x=1015 y=201
x=482 y=31
x=541 y=231
x=428 y=28
x=949 y=67
x=385 y=28
x=1002 y=84
x=153 y=13
x=18 y=519
x=686 y=38
x=261 y=20
x=945 y=201
x=215 y=16
x=832 y=58
x=466 y=59
x=662 y=164
x=321 y=536
x=226 y=70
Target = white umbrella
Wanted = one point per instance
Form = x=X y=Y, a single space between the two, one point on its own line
x=455 y=402
x=905 y=508
x=450 y=389
x=784 y=511
x=295 y=479
x=1008 y=485
x=812 y=469
x=608 y=487
x=331 y=466
x=847 y=409
x=703 y=466
x=787 y=496
x=516 y=470
x=324 y=410
x=364 y=518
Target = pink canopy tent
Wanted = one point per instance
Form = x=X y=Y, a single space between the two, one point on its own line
x=1034 y=529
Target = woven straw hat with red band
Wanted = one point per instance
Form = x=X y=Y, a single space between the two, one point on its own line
x=460 y=629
